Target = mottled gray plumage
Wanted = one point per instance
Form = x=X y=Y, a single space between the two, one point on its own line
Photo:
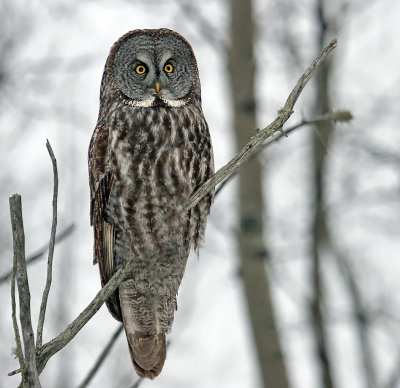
x=149 y=152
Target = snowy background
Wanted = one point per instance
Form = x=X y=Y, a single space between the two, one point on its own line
x=52 y=55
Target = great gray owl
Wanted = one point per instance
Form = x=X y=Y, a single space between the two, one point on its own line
x=149 y=152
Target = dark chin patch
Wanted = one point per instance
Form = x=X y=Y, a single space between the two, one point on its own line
x=159 y=102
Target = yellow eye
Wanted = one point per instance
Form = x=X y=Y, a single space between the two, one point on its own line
x=140 y=69
x=168 y=68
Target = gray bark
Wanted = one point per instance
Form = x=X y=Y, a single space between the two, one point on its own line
x=30 y=376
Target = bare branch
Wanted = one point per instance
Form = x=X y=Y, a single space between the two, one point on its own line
x=41 y=251
x=256 y=141
x=18 y=350
x=101 y=357
x=30 y=375
x=14 y=372
x=46 y=290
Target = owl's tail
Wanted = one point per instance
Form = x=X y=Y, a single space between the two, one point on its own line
x=147 y=352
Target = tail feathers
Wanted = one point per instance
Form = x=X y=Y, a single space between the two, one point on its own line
x=147 y=348
x=147 y=353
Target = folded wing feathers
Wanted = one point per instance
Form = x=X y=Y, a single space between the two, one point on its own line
x=108 y=248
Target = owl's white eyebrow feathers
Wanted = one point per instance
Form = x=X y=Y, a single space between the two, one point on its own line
x=174 y=103
x=148 y=102
x=141 y=103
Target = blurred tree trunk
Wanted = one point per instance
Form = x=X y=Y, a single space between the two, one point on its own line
x=321 y=238
x=319 y=233
x=252 y=250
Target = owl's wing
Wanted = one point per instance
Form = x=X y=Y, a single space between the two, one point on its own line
x=204 y=162
x=101 y=181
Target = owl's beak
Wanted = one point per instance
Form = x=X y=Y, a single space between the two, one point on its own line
x=157 y=86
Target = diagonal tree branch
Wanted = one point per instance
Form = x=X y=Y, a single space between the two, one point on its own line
x=30 y=374
x=256 y=141
x=46 y=290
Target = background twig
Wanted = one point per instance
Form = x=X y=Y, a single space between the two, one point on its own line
x=342 y=116
x=137 y=383
x=41 y=251
x=101 y=357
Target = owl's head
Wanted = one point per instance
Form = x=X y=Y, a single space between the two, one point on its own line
x=154 y=68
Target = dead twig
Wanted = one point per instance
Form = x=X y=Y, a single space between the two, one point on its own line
x=49 y=277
